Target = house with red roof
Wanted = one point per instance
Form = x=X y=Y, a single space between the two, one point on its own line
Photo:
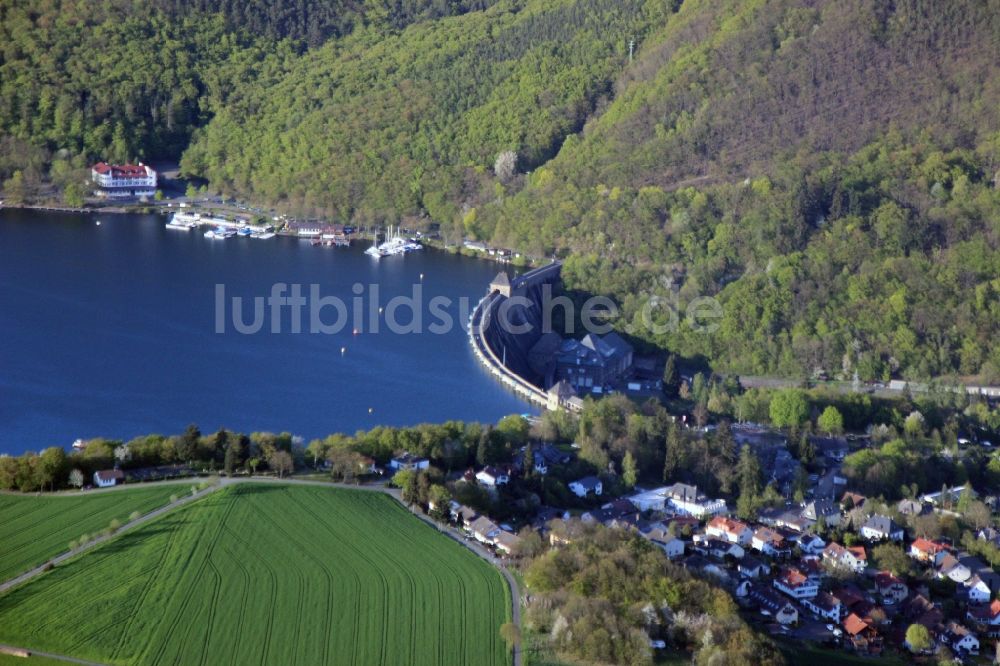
x=122 y=181
x=986 y=618
x=729 y=529
x=927 y=551
x=861 y=635
x=796 y=584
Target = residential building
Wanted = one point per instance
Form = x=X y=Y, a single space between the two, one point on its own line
x=586 y=486
x=687 y=501
x=507 y=542
x=822 y=508
x=718 y=548
x=927 y=551
x=408 y=461
x=484 y=529
x=491 y=476
x=787 y=615
x=825 y=606
x=770 y=542
x=986 y=618
x=810 y=544
x=892 y=589
x=881 y=528
x=960 y=639
x=861 y=635
x=954 y=569
x=751 y=567
x=672 y=546
x=979 y=589
x=796 y=584
x=108 y=477
x=909 y=507
x=122 y=181
x=729 y=529
x=854 y=558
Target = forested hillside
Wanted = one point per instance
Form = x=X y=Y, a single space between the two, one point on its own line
x=376 y=128
x=315 y=22
x=114 y=80
x=827 y=169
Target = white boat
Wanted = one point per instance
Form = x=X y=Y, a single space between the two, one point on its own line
x=395 y=245
x=220 y=232
x=262 y=235
x=182 y=224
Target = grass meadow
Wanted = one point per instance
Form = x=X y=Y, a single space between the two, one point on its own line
x=268 y=574
x=34 y=529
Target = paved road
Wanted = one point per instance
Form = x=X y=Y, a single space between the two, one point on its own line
x=448 y=531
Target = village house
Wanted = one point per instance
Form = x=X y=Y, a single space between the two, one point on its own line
x=681 y=499
x=507 y=542
x=718 y=548
x=108 y=477
x=979 y=589
x=954 y=569
x=909 y=507
x=824 y=606
x=770 y=542
x=730 y=530
x=854 y=558
x=484 y=530
x=892 y=589
x=850 y=500
x=672 y=546
x=491 y=476
x=861 y=636
x=462 y=514
x=408 y=461
x=986 y=618
x=960 y=639
x=881 y=528
x=928 y=552
x=821 y=508
x=787 y=615
x=796 y=584
x=586 y=486
x=751 y=567
x=810 y=544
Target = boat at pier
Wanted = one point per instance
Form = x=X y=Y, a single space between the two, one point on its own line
x=220 y=232
x=393 y=246
x=182 y=223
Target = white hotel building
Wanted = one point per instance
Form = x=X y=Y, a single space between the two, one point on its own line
x=120 y=181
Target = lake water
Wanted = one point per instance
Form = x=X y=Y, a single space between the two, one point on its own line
x=112 y=330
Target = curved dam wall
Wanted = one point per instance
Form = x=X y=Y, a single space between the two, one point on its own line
x=504 y=329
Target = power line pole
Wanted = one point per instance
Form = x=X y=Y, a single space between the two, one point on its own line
x=631 y=49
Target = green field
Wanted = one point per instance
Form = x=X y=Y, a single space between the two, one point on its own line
x=33 y=529
x=263 y=574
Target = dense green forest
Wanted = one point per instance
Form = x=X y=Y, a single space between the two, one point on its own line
x=827 y=170
x=315 y=22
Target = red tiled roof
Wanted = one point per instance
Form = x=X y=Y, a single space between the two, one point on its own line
x=121 y=170
x=859 y=552
x=793 y=577
x=927 y=546
x=854 y=625
x=727 y=524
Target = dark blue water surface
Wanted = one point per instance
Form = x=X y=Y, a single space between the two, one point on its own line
x=110 y=330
